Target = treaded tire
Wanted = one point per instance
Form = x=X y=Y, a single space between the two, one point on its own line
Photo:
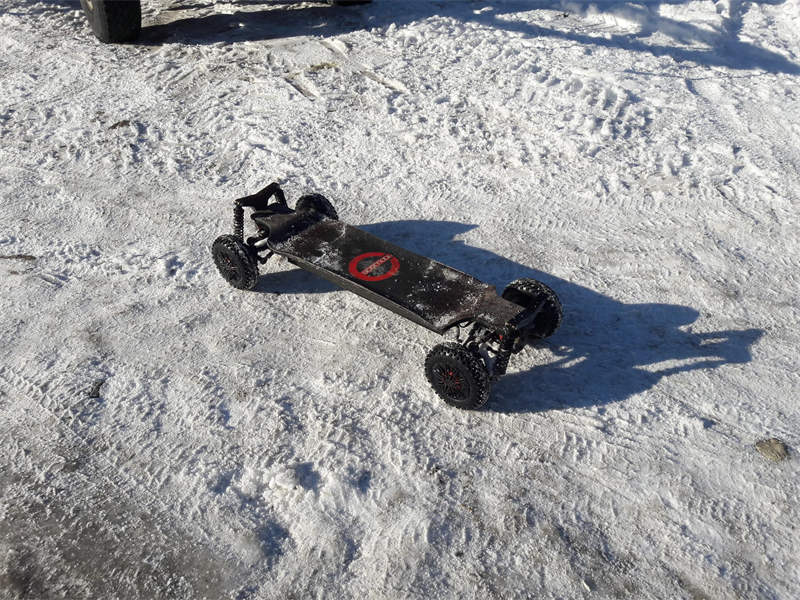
x=527 y=293
x=235 y=262
x=457 y=375
x=319 y=203
x=114 y=21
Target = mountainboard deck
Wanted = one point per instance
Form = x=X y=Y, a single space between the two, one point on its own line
x=419 y=288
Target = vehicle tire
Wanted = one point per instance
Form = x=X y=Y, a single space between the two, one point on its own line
x=528 y=293
x=114 y=20
x=457 y=375
x=319 y=203
x=235 y=262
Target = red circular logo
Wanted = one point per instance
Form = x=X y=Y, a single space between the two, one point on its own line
x=374 y=266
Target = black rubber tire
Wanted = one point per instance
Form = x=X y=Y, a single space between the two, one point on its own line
x=458 y=376
x=527 y=293
x=114 y=21
x=235 y=262
x=319 y=203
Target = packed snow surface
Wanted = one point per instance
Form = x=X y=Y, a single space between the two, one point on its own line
x=166 y=436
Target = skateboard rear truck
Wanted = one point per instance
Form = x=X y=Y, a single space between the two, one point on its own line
x=421 y=289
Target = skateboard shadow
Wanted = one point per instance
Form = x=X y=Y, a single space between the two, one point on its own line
x=604 y=352
x=293 y=281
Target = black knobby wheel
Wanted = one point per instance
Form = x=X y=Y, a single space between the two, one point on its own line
x=457 y=375
x=528 y=293
x=114 y=20
x=235 y=262
x=319 y=203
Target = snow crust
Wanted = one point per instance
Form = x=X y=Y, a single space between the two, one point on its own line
x=166 y=436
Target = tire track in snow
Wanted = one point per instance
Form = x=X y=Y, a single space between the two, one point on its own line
x=50 y=406
x=69 y=262
x=116 y=477
x=73 y=534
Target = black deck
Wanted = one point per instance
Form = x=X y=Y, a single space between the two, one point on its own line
x=416 y=287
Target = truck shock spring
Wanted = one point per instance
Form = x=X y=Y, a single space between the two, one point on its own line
x=238 y=220
x=504 y=352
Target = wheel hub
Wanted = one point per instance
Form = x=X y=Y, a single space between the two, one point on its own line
x=451 y=383
x=230 y=268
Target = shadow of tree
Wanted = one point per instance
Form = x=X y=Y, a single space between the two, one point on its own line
x=723 y=46
x=606 y=350
x=281 y=19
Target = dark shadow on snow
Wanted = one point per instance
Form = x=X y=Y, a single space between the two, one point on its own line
x=606 y=350
x=307 y=477
x=293 y=281
x=279 y=20
x=718 y=47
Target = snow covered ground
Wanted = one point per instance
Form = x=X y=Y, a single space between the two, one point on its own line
x=166 y=436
